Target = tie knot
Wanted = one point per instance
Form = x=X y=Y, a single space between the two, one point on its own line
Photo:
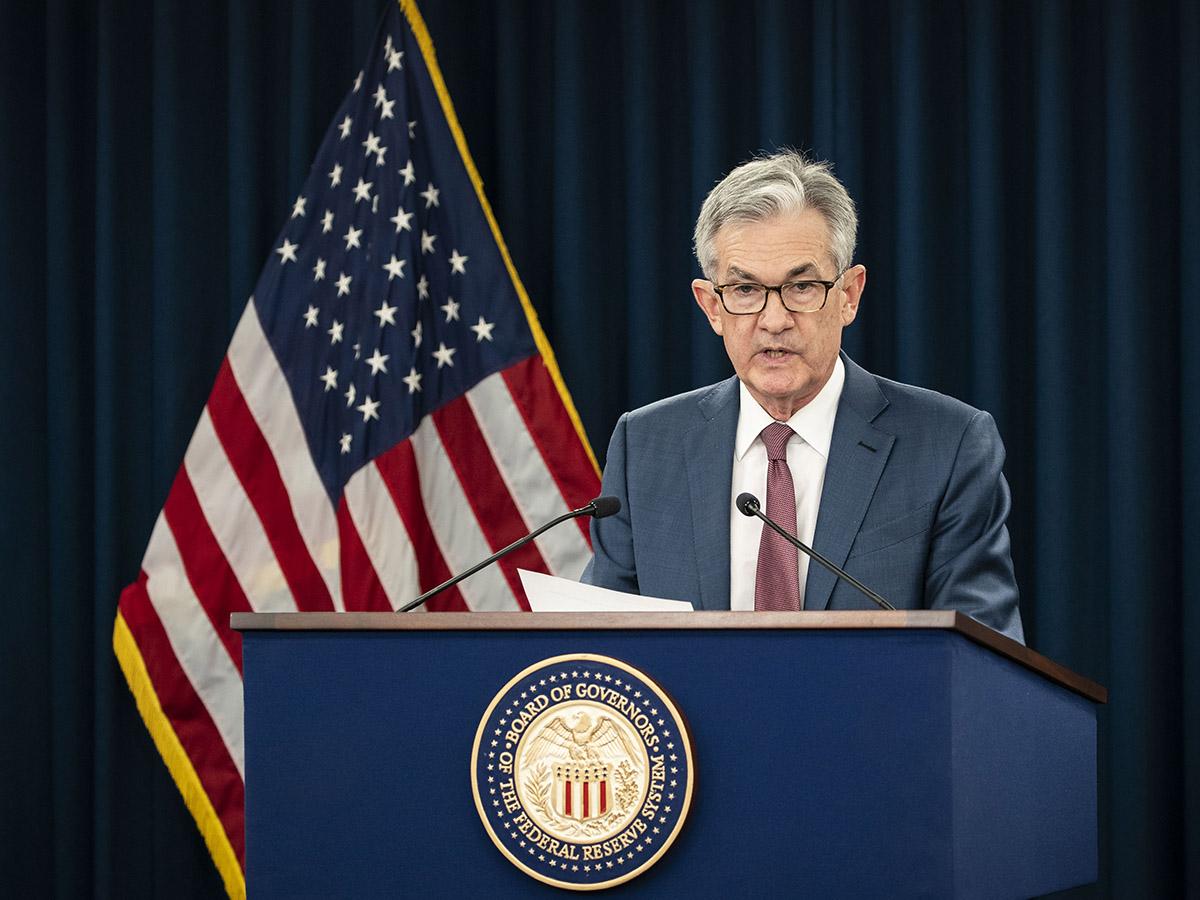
x=775 y=437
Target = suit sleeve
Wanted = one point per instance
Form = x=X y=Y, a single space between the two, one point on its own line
x=970 y=561
x=613 y=560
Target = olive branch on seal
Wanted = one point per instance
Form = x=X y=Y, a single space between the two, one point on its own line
x=538 y=788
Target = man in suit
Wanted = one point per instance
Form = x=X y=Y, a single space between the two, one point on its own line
x=899 y=485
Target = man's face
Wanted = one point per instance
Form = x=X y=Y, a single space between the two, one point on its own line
x=783 y=358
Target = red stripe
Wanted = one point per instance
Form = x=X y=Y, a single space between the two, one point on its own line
x=208 y=571
x=587 y=793
x=256 y=469
x=361 y=588
x=187 y=714
x=603 y=797
x=398 y=468
x=498 y=517
x=554 y=433
x=567 y=800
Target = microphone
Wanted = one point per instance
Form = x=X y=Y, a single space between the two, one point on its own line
x=599 y=508
x=747 y=504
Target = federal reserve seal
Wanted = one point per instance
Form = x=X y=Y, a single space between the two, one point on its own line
x=582 y=771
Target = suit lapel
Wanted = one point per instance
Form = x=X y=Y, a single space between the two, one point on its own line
x=708 y=451
x=858 y=454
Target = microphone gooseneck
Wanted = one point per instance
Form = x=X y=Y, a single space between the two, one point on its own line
x=597 y=509
x=747 y=504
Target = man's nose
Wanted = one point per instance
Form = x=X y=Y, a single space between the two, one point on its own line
x=775 y=316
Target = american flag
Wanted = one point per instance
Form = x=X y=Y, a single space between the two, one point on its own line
x=388 y=413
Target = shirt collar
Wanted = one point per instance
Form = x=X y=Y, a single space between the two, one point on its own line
x=813 y=421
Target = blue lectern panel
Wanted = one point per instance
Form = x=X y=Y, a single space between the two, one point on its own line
x=853 y=763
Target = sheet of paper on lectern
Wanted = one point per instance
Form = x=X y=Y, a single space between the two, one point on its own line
x=547 y=593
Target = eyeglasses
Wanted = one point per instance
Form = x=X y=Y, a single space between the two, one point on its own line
x=748 y=298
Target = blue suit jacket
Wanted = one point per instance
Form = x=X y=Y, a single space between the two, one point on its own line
x=914 y=503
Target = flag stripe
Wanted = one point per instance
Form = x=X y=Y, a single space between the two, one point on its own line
x=256 y=469
x=189 y=718
x=495 y=511
x=454 y=525
x=207 y=569
x=398 y=469
x=525 y=473
x=193 y=640
x=234 y=523
x=384 y=540
x=362 y=589
x=265 y=390
x=550 y=426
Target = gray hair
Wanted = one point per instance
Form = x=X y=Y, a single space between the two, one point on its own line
x=764 y=187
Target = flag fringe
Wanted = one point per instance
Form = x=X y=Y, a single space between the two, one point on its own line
x=417 y=23
x=178 y=764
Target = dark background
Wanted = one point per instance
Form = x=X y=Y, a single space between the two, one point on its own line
x=1028 y=179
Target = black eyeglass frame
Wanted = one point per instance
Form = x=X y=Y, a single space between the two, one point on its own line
x=719 y=290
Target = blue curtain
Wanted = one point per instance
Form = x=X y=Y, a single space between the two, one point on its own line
x=1028 y=176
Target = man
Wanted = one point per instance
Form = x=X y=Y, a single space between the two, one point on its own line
x=899 y=485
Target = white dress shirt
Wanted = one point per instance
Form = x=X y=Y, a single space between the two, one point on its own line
x=807 y=454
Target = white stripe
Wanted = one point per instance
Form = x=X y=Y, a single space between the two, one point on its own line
x=194 y=640
x=234 y=521
x=529 y=481
x=454 y=526
x=383 y=535
x=266 y=392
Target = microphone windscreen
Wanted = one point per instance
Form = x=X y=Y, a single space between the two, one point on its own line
x=605 y=506
x=747 y=504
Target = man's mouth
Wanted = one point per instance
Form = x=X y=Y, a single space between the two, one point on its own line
x=775 y=352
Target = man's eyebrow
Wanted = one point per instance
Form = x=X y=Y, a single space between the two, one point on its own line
x=805 y=269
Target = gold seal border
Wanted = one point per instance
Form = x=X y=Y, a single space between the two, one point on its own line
x=685 y=745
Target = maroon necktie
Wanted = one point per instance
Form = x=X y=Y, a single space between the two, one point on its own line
x=777 y=582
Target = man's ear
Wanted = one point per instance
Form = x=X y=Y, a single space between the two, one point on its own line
x=854 y=281
x=709 y=303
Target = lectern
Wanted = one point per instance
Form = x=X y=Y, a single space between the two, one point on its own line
x=835 y=754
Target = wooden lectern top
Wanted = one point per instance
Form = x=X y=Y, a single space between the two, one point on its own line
x=921 y=619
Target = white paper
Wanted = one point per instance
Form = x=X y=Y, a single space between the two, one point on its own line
x=547 y=593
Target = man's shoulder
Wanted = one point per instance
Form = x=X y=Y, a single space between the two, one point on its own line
x=682 y=410
x=910 y=403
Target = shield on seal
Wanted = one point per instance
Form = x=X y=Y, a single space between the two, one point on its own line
x=581 y=790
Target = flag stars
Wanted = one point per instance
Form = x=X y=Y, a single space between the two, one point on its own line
x=330 y=379
x=417 y=333
x=483 y=330
x=409 y=175
x=350 y=395
x=387 y=110
x=380 y=95
x=395 y=60
x=358 y=82
x=427 y=240
x=351 y=237
x=343 y=284
x=395 y=267
x=371 y=143
x=431 y=196
x=379 y=155
x=412 y=129
x=327 y=222
x=310 y=317
x=369 y=409
x=450 y=308
x=357 y=351
x=287 y=253
x=319 y=270
x=386 y=314
x=335 y=175
x=362 y=190
x=402 y=219
x=298 y=207
x=423 y=288
x=444 y=355
x=344 y=127
x=335 y=332
x=378 y=362
x=345 y=443
x=458 y=263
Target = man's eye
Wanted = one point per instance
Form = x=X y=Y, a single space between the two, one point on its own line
x=801 y=288
x=746 y=290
